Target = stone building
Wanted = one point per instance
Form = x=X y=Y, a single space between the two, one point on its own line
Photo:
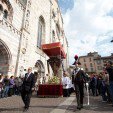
x=93 y=62
x=87 y=62
x=101 y=61
x=25 y=25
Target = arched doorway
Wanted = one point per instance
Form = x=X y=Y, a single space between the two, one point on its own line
x=5 y=58
x=40 y=70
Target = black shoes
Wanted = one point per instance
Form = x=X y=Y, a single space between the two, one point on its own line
x=79 y=108
x=25 y=109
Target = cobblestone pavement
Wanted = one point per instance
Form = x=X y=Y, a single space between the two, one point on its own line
x=14 y=104
x=96 y=106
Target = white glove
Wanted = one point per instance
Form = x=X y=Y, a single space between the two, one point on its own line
x=87 y=84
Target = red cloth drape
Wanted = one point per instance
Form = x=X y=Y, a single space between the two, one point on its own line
x=54 y=49
x=50 y=90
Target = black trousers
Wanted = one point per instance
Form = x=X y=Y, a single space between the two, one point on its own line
x=65 y=92
x=26 y=96
x=79 y=90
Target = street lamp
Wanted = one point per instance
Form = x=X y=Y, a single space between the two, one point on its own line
x=112 y=40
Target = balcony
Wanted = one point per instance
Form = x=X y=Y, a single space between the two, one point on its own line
x=54 y=49
x=6 y=25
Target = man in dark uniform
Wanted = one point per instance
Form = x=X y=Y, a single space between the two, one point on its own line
x=78 y=79
x=27 y=87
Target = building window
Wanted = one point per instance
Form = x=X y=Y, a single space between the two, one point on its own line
x=92 y=69
x=58 y=30
x=91 y=65
x=84 y=60
x=1 y=8
x=98 y=61
x=5 y=14
x=86 y=69
x=99 y=67
x=90 y=59
x=53 y=14
x=41 y=32
x=7 y=10
x=104 y=61
x=53 y=36
x=85 y=65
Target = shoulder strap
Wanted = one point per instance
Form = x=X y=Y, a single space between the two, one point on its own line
x=75 y=73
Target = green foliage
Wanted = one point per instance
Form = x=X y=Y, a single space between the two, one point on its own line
x=54 y=80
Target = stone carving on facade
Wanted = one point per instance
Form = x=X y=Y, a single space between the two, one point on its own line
x=6 y=13
x=26 y=28
x=22 y=71
x=28 y=13
x=23 y=50
x=55 y=16
x=1 y=16
x=26 y=24
x=29 y=4
x=24 y=43
x=27 y=16
x=11 y=69
x=10 y=27
x=20 y=4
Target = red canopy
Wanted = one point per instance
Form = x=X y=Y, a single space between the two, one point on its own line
x=54 y=49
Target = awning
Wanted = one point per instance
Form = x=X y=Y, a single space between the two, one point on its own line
x=54 y=49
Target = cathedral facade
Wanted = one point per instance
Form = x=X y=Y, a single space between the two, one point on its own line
x=25 y=25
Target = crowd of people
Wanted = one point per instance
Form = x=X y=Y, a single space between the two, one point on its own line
x=102 y=84
x=99 y=84
x=10 y=86
x=22 y=86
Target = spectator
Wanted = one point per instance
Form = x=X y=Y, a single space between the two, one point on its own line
x=94 y=85
x=65 y=82
x=69 y=89
x=107 y=86
x=103 y=91
x=16 y=87
x=6 y=86
x=99 y=84
x=1 y=86
x=11 y=86
x=71 y=86
x=109 y=68
x=20 y=84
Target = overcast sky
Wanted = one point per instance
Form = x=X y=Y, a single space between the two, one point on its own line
x=88 y=26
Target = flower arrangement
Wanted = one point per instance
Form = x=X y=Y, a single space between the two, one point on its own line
x=54 y=80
